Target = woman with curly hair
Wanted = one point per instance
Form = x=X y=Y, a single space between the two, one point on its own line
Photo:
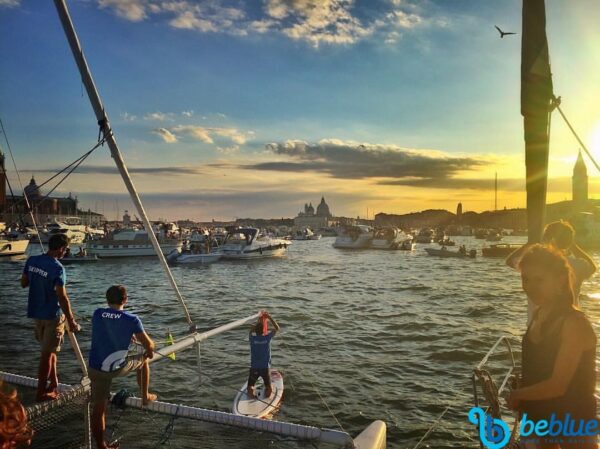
x=14 y=430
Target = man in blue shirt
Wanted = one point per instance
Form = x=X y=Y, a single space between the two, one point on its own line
x=260 y=354
x=47 y=301
x=113 y=329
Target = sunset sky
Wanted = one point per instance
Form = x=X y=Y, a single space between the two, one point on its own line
x=230 y=108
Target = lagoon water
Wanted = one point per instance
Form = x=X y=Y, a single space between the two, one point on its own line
x=365 y=335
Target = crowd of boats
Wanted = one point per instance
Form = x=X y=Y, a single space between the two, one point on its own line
x=208 y=245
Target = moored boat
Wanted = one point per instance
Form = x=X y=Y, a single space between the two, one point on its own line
x=354 y=237
x=389 y=238
x=247 y=243
x=130 y=243
x=9 y=247
x=499 y=250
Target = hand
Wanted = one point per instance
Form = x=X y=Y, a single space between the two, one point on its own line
x=73 y=326
x=149 y=353
x=512 y=401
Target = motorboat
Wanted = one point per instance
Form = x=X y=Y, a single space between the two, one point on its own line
x=408 y=245
x=499 y=250
x=189 y=257
x=425 y=235
x=389 y=238
x=130 y=243
x=10 y=247
x=359 y=236
x=446 y=242
x=71 y=227
x=305 y=234
x=447 y=253
x=248 y=243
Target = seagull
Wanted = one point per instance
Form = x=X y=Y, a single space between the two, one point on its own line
x=503 y=33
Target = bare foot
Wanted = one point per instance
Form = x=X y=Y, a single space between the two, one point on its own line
x=149 y=398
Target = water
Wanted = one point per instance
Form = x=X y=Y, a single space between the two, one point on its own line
x=365 y=335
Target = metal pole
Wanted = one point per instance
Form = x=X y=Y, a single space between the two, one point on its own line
x=104 y=124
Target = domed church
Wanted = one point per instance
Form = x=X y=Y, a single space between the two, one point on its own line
x=308 y=217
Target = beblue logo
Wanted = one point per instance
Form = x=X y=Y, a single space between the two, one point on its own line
x=493 y=433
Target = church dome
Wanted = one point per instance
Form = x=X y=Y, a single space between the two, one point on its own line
x=310 y=210
x=323 y=209
x=32 y=190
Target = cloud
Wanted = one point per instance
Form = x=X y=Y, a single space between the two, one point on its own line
x=189 y=113
x=350 y=160
x=165 y=134
x=128 y=117
x=208 y=134
x=158 y=116
x=9 y=3
x=316 y=22
x=133 y=10
x=111 y=170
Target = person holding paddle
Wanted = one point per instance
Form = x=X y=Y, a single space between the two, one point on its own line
x=260 y=353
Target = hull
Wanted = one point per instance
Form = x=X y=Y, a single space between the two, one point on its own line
x=118 y=248
x=347 y=242
x=13 y=247
x=385 y=244
x=273 y=250
x=199 y=259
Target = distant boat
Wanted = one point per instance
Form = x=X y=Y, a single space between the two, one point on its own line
x=389 y=238
x=12 y=247
x=247 y=243
x=446 y=253
x=129 y=243
x=499 y=250
x=189 y=258
x=354 y=237
x=425 y=235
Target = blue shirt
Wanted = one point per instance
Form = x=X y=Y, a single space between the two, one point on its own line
x=260 y=351
x=44 y=274
x=112 y=330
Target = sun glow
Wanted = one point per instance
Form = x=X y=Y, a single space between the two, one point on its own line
x=594 y=140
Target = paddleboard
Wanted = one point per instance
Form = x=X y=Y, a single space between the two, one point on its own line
x=262 y=407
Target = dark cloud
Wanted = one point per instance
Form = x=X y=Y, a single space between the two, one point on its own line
x=111 y=170
x=351 y=161
x=513 y=185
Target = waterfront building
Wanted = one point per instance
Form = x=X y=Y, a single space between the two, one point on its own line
x=308 y=218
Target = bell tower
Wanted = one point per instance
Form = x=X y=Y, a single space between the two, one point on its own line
x=580 y=183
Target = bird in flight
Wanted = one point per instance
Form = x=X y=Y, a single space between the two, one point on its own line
x=503 y=33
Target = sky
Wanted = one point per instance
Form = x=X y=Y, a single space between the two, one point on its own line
x=227 y=108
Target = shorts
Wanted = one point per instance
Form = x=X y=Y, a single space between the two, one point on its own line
x=102 y=380
x=255 y=373
x=50 y=333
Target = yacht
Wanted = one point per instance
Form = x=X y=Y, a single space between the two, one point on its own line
x=389 y=238
x=247 y=243
x=71 y=227
x=130 y=242
x=359 y=236
x=425 y=235
x=12 y=247
x=305 y=234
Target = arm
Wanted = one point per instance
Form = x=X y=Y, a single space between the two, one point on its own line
x=577 y=336
x=65 y=305
x=24 y=280
x=581 y=254
x=147 y=343
x=273 y=322
x=515 y=257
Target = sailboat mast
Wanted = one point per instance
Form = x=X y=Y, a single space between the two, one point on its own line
x=536 y=99
x=104 y=124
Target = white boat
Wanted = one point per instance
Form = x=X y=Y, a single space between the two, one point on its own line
x=247 y=243
x=305 y=234
x=425 y=235
x=71 y=227
x=188 y=257
x=389 y=238
x=359 y=236
x=12 y=247
x=130 y=243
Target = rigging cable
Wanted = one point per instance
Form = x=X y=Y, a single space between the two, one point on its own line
x=556 y=101
x=21 y=184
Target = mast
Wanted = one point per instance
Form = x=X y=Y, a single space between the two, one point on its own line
x=536 y=99
x=107 y=132
x=496 y=193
